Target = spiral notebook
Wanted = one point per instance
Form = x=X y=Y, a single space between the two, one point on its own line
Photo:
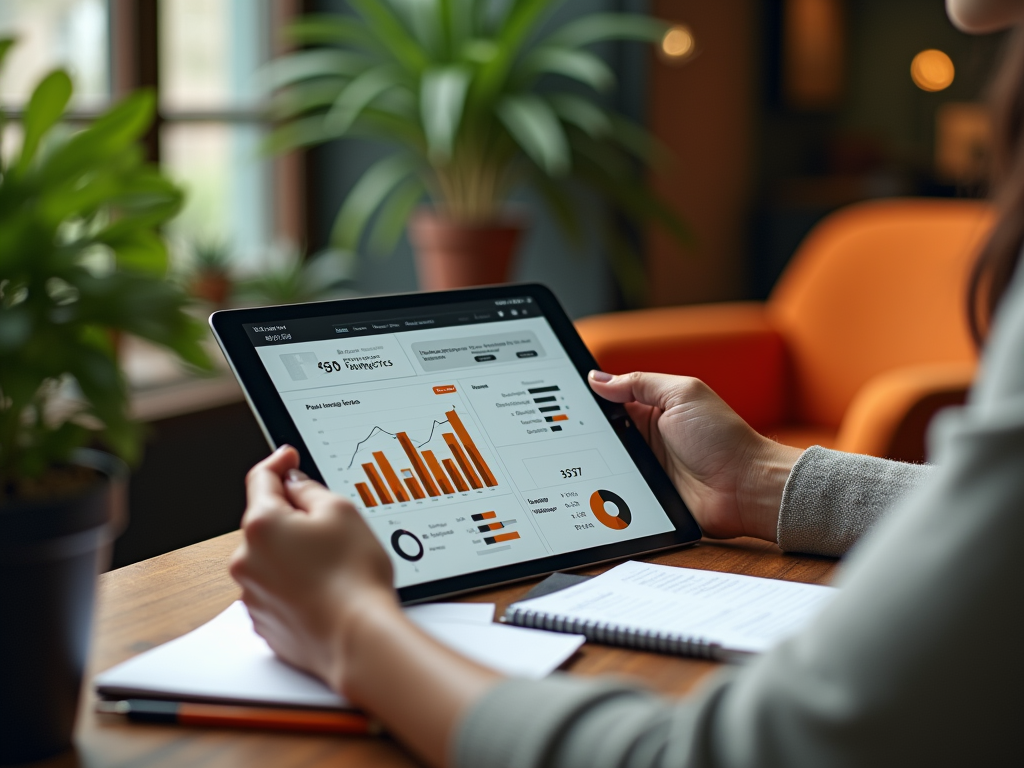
x=683 y=611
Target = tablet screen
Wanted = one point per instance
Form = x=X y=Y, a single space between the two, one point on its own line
x=463 y=433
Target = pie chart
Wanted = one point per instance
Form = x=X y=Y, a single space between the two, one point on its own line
x=610 y=510
x=406 y=545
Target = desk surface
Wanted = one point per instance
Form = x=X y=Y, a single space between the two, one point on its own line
x=149 y=603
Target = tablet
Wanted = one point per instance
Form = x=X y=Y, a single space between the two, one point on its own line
x=462 y=427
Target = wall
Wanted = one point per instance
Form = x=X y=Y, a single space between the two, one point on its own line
x=704 y=111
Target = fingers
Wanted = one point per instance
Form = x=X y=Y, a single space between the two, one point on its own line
x=266 y=477
x=659 y=390
x=311 y=496
x=264 y=487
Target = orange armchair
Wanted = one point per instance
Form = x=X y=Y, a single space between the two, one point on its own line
x=862 y=340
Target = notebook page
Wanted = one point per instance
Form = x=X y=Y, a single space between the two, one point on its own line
x=225 y=660
x=742 y=613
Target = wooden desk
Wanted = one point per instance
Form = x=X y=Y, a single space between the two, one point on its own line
x=143 y=605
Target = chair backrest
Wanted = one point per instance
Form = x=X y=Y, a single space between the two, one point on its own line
x=873 y=287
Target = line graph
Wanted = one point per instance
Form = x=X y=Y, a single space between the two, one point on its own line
x=380 y=430
x=387 y=482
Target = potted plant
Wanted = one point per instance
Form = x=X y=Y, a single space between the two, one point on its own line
x=296 y=280
x=210 y=275
x=477 y=100
x=81 y=260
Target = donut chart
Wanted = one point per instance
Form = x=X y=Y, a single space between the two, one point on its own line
x=617 y=521
x=410 y=540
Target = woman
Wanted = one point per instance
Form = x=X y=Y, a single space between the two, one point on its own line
x=917 y=661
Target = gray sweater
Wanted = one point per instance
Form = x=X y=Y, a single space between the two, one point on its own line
x=917 y=661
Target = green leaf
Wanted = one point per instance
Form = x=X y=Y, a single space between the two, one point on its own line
x=561 y=206
x=568 y=62
x=359 y=94
x=639 y=142
x=306 y=65
x=425 y=19
x=112 y=135
x=390 y=33
x=522 y=19
x=627 y=265
x=537 y=130
x=6 y=43
x=366 y=196
x=320 y=29
x=442 y=98
x=45 y=108
x=478 y=51
x=582 y=113
x=599 y=27
x=394 y=216
x=142 y=250
x=458 y=16
x=306 y=97
x=303 y=132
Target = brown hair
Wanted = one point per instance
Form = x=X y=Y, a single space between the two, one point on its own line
x=997 y=261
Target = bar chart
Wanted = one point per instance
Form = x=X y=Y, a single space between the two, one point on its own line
x=426 y=475
x=487 y=522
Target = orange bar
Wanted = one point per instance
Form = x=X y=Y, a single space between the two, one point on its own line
x=560 y=417
x=494 y=526
x=435 y=467
x=506 y=536
x=488 y=515
x=417 y=491
x=378 y=484
x=417 y=464
x=390 y=476
x=460 y=457
x=454 y=472
x=365 y=495
x=474 y=454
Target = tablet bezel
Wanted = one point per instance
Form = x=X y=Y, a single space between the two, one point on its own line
x=278 y=427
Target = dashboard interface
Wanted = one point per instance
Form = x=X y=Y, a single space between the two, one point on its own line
x=463 y=433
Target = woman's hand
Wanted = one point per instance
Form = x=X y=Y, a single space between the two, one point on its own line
x=309 y=564
x=319 y=589
x=730 y=477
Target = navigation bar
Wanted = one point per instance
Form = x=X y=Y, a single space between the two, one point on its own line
x=375 y=323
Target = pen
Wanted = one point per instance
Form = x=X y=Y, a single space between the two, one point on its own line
x=226 y=716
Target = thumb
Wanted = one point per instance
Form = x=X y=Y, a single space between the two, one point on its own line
x=659 y=390
x=309 y=495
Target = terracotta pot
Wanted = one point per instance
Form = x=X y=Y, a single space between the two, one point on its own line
x=452 y=255
x=213 y=287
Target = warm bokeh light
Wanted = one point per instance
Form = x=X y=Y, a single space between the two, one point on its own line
x=678 y=43
x=932 y=70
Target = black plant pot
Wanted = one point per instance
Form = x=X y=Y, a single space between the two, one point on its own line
x=50 y=554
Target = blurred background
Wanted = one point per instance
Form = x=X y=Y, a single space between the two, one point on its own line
x=774 y=112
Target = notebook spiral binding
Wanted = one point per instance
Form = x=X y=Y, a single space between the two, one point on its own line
x=613 y=634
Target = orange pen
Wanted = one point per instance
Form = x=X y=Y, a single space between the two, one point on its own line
x=227 y=716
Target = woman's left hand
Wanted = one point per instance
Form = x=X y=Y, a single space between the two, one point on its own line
x=310 y=568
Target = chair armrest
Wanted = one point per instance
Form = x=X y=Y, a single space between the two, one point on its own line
x=890 y=414
x=730 y=347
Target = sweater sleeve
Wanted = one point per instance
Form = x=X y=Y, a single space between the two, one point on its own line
x=831 y=498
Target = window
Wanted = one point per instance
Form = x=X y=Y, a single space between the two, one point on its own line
x=203 y=61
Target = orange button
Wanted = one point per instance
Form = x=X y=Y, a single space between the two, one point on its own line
x=444 y=390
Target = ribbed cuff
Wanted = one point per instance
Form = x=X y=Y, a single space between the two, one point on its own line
x=831 y=498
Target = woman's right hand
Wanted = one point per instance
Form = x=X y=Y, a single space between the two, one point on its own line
x=731 y=477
